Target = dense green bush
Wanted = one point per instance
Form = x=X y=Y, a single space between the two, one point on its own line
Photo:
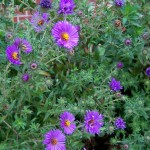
x=78 y=80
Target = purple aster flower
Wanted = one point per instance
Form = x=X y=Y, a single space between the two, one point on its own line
x=93 y=122
x=127 y=41
x=66 y=7
x=25 y=77
x=115 y=85
x=148 y=71
x=45 y=3
x=12 y=53
x=23 y=44
x=67 y=122
x=119 y=3
x=119 y=65
x=120 y=124
x=55 y=140
x=39 y=21
x=65 y=34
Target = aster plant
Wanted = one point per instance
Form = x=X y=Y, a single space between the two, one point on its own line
x=74 y=69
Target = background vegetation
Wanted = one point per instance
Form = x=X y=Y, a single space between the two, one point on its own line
x=79 y=81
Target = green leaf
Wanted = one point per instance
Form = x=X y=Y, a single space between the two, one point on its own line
x=124 y=20
x=101 y=51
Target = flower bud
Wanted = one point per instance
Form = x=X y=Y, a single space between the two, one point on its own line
x=127 y=42
x=126 y=146
x=25 y=77
x=145 y=36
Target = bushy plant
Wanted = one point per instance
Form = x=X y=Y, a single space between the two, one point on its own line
x=99 y=82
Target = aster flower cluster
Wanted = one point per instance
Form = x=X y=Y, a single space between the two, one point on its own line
x=55 y=139
x=65 y=34
x=93 y=122
x=13 y=51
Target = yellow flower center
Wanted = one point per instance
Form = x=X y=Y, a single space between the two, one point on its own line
x=91 y=122
x=54 y=141
x=65 y=36
x=67 y=123
x=24 y=47
x=15 y=56
x=40 y=22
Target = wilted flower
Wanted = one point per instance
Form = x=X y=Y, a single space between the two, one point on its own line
x=45 y=3
x=119 y=65
x=117 y=23
x=12 y=53
x=25 y=77
x=119 y=3
x=55 y=140
x=148 y=71
x=93 y=122
x=39 y=21
x=123 y=29
x=127 y=41
x=115 y=85
x=66 y=7
x=120 y=124
x=65 y=34
x=23 y=44
x=67 y=122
